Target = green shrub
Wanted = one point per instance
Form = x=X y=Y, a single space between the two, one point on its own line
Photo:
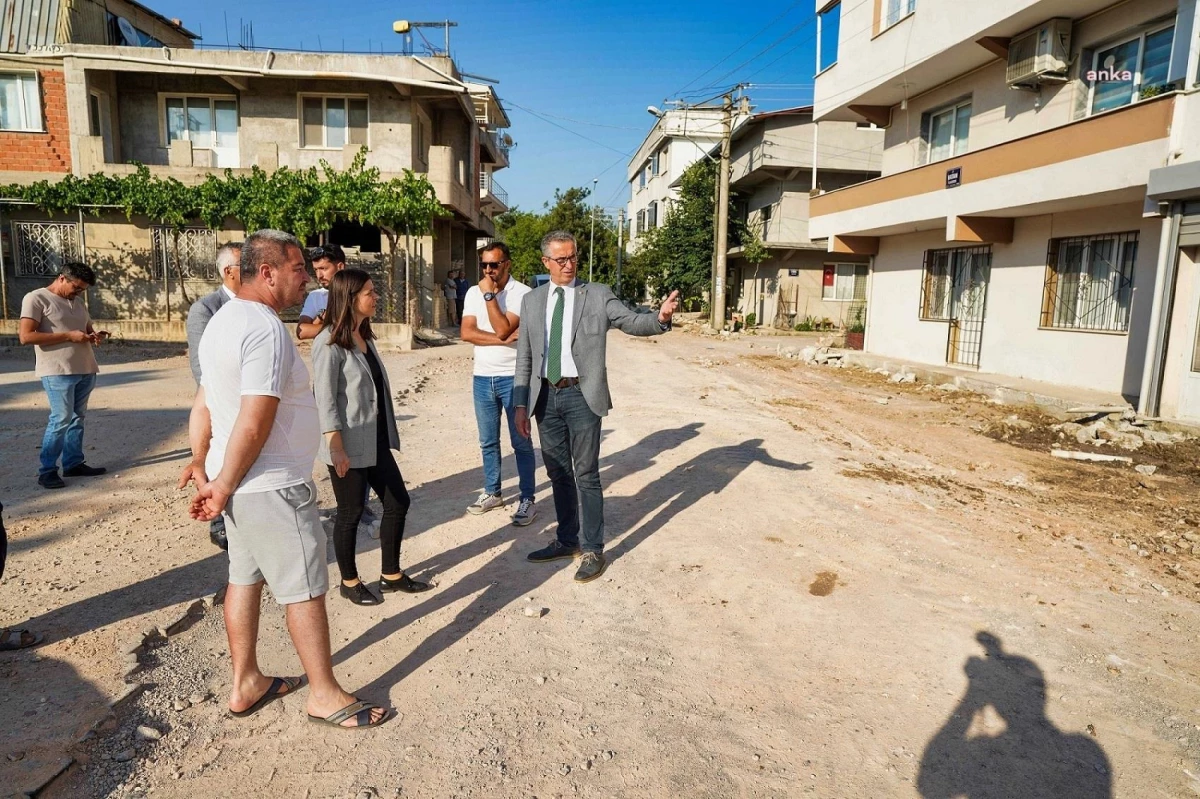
x=751 y=319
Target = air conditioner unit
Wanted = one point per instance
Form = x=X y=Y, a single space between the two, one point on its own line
x=1041 y=55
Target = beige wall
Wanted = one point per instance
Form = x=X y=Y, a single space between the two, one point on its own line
x=1013 y=343
x=268 y=114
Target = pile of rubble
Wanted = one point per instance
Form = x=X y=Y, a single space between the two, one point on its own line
x=1122 y=429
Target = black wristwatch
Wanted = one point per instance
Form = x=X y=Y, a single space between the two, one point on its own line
x=489 y=296
x=664 y=326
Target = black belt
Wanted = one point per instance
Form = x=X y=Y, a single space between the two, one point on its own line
x=566 y=382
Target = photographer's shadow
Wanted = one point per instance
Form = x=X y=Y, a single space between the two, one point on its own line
x=1027 y=756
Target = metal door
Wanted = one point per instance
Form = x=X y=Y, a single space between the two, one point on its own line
x=970 y=270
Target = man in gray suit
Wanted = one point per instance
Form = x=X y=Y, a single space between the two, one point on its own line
x=229 y=260
x=562 y=377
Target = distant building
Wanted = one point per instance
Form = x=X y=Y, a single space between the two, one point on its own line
x=78 y=97
x=678 y=139
x=772 y=166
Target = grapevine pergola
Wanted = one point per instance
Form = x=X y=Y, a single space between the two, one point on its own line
x=300 y=201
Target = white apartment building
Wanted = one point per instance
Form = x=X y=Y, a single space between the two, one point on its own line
x=1011 y=229
x=679 y=138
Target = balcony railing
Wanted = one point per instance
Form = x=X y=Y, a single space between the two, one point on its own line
x=488 y=185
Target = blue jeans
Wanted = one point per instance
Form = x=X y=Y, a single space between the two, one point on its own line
x=493 y=394
x=570 y=434
x=68 y=396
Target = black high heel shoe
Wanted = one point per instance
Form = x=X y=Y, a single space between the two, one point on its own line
x=405 y=585
x=359 y=594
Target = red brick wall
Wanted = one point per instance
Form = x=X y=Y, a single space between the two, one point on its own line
x=41 y=152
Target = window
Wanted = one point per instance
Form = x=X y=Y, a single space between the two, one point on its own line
x=652 y=215
x=896 y=10
x=43 y=247
x=1089 y=282
x=209 y=123
x=1122 y=73
x=844 y=282
x=654 y=164
x=954 y=280
x=866 y=126
x=947 y=132
x=333 y=122
x=641 y=178
x=829 y=23
x=20 y=103
x=640 y=227
x=194 y=247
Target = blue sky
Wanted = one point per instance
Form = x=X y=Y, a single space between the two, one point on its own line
x=584 y=69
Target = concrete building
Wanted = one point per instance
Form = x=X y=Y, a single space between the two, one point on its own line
x=75 y=99
x=772 y=176
x=1011 y=231
x=678 y=139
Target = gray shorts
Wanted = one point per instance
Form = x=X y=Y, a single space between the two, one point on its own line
x=277 y=536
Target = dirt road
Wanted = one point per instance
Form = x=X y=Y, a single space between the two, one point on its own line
x=812 y=593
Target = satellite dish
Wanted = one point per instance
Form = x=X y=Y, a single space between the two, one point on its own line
x=507 y=140
x=128 y=32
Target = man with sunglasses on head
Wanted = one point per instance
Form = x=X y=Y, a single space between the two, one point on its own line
x=491 y=320
x=327 y=261
x=55 y=321
x=562 y=381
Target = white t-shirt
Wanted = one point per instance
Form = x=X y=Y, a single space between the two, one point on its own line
x=315 y=302
x=246 y=350
x=496 y=360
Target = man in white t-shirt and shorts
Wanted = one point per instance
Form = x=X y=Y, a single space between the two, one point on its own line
x=254 y=429
x=491 y=318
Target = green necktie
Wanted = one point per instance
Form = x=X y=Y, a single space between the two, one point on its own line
x=554 y=356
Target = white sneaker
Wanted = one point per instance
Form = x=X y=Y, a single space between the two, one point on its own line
x=485 y=503
x=525 y=513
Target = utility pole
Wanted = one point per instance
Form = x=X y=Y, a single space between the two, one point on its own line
x=592 y=245
x=717 y=320
x=620 y=247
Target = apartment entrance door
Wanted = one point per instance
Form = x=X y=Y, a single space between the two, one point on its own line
x=970 y=270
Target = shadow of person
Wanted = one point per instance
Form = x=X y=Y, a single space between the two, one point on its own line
x=503 y=579
x=708 y=473
x=507 y=576
x=1015 y=752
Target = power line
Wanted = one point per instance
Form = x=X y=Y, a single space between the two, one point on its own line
x=738 y=49
x=568 y=130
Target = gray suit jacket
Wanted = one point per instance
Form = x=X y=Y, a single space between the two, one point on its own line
x=346 y=401
x=198 y=315
x=596 y=310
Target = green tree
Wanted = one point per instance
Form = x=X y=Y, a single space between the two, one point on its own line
x=522 y=231
x=678 y=255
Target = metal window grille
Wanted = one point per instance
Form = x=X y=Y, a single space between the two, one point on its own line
x=195 y=247
x=947 y=275
x=43 y=247
x=1089 y=282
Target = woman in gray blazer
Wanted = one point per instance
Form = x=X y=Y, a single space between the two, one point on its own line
x=358 y=425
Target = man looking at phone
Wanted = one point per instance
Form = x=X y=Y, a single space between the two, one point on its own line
x=55 y=321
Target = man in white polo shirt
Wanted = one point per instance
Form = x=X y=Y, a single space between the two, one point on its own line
x=491 y=318
x=254 y=428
